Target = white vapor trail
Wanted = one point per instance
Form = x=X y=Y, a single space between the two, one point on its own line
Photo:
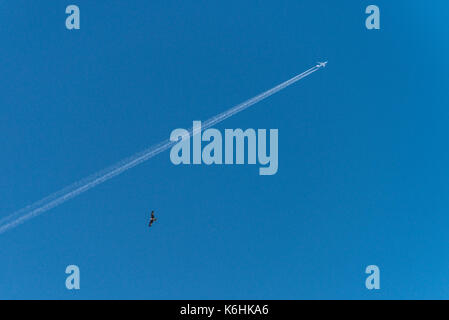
x=91 y=181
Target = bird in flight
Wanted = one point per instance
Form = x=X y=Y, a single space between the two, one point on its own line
x=152 y=219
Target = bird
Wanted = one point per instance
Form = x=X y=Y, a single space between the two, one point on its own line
x=152 y=219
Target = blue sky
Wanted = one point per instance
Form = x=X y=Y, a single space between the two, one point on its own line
x=363 y=157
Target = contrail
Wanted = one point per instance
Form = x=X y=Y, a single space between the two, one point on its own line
x=75 y=189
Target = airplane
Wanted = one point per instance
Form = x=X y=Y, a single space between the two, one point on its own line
x=153 y=219
x=321 y=64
